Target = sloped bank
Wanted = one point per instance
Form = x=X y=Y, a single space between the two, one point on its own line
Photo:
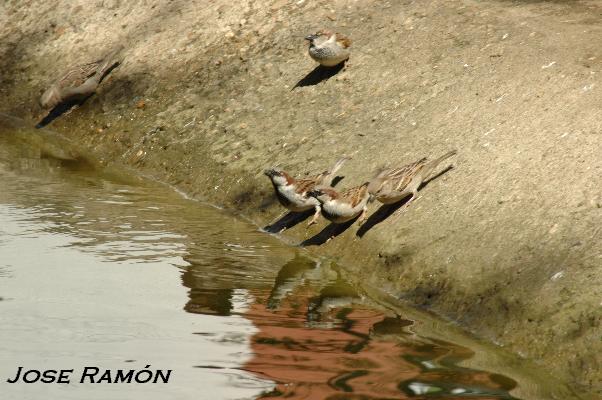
x=507 y=243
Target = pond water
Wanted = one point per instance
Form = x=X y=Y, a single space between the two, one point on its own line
x=98 y=269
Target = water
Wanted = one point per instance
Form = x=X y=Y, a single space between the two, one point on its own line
x=98 y=269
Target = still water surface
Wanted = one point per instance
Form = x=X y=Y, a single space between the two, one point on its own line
x=101 y=270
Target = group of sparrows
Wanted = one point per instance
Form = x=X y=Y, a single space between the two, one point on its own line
x=330 y=49
x=388 y=186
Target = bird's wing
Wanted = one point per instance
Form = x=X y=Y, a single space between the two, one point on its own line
x=78 y=75
x=343 y=40
x=401 y=177
x=305 y=185
x=355 y=195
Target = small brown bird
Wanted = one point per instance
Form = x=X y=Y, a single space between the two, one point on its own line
x=79 y=82
x=328 y=48
x=393 y=185
x=292 y=193
x=344 y=206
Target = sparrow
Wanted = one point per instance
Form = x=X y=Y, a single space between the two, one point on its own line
x=393 y=185
x=340 y=207
x=328 y=48
x=292 y=193
x=79 y=82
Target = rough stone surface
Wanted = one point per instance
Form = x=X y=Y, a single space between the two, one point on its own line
x=508 y=242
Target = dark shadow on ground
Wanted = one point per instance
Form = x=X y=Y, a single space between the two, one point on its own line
x=336 y=180
x=59 y=110
x=319 y=74
x=330 y=232
x=289 y=220
x=386 y=210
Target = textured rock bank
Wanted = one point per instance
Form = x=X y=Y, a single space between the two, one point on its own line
x=508 y=242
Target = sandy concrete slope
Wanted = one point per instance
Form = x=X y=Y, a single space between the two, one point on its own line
x=508 y=242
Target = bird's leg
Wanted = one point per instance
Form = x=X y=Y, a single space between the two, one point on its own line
x=275 y=220
x=282 y=214
x=403 y=208
x=412 y=199
x=362 y=217
x=314 y=220
x=69 y=111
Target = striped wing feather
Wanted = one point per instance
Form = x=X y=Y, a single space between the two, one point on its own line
x=78 y=75
x=355 y=195
x=401 y=177
x=305 y=185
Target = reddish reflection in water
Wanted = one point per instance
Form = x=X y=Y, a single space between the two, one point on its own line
x=317 y=339
x=320 y=347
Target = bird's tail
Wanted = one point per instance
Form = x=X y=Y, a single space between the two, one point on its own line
x=108 y=62
x=332 y=172
x=431 y=165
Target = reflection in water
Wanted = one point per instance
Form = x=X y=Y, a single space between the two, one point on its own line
x=97 y=268
x=323 y=341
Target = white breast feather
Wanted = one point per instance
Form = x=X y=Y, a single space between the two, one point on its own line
x=298 y=202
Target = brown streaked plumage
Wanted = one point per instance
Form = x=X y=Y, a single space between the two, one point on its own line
x=340 y=207
x=343 y=41
x=292 y=193
x=80 y=81
x=393 y=185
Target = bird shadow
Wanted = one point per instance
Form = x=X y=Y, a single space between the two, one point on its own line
x=319 y=74
x=67 y=106
x=336 y=180
x=287 y=221
x=108 y=71
x=329 y=232
x=62 y=108
x=292 y=218
x=386 y=210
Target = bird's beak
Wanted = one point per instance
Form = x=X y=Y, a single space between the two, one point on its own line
x=311 y=37
x=268 y=172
